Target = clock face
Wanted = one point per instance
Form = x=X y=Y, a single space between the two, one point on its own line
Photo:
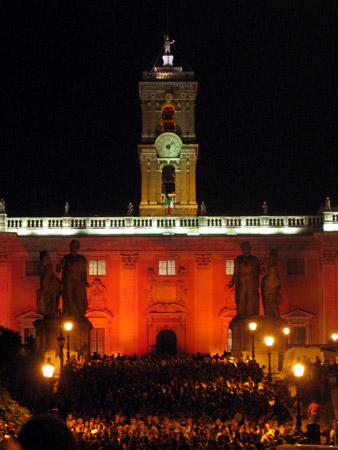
x=168 y=145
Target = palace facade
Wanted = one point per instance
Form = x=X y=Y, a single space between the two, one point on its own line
x=159 y=280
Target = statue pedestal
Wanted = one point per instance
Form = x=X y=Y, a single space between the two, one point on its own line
x=266 y=326
x=48 y=330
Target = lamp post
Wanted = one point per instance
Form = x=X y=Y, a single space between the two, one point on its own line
x=286 y=331
x=269 y=342
x=48 y=372
x=298 y=370
x=61 y=341
x=253 y=326
x=68 y=327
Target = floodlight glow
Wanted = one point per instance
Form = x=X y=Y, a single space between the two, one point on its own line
x=286 y=331
x=334 y=337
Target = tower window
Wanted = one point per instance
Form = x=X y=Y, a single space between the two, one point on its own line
x=168 y=119
x=168 y=180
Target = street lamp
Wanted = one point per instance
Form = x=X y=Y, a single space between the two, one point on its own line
x=298 y=370
x=253 y=326
x=269 y=342
x=334 y=337
x=286 y=331
x=48 y=372
x=48 y=369
x=68 y=327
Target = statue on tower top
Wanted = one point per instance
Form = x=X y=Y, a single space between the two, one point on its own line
x=167 y=44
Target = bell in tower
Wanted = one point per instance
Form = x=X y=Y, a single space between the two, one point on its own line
x=168 y=151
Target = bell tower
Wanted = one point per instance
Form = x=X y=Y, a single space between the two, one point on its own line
x=168 y=151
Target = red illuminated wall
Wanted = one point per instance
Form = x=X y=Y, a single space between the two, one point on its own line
x=195 y=303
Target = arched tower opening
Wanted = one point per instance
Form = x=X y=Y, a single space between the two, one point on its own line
x=168 y=180
x=168 y=119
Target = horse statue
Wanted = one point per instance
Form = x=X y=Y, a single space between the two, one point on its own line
x=47 y=297
x=271 y=287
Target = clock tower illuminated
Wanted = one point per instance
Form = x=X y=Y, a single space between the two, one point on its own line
x=168 y=151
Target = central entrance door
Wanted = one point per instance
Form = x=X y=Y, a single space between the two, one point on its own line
x=166 y=343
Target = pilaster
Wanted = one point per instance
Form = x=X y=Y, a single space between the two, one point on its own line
x=203 y=302
x=329 y=291
x=128 y=304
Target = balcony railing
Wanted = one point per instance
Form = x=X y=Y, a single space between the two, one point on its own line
x=171 y=224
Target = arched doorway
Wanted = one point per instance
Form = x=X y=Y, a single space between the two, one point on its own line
x=166 y=343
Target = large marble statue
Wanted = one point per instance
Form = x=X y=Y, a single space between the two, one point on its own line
x=246 y=280
x=74 y=282
x=47 y=297
x=271 y=287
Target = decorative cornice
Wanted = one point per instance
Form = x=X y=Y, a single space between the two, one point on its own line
x=202 y=260
x=129 y=261
x=328 y=256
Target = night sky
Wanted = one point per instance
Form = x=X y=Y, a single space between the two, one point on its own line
x=266 y=111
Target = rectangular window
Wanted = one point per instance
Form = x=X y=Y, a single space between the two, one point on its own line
x=230 y=267
x=229 y=339
x=32 y=268
x=167 y=267
x=298 y=335
x=97 y=267
x=296 y=266
x=29 y=333
x=97 y=341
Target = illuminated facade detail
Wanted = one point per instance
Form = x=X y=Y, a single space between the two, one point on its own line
x=97 y=296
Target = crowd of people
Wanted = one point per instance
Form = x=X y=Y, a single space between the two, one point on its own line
x=182 y=402
x=189 y=385
x=192 y=402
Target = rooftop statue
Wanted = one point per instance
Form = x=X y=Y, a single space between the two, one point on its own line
x=265 y=208
x=271 y=287
x=2 y=206
x=327 y=204
x=74 y=282
x=130 y=210
x=246 y=280
x=167 y=44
